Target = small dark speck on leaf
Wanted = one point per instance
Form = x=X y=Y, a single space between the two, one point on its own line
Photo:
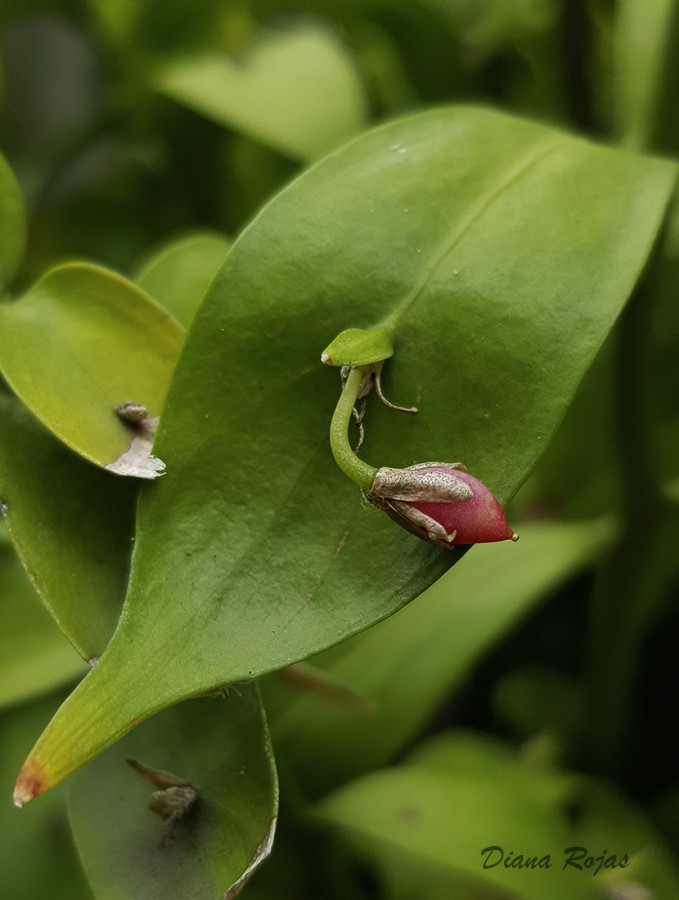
x=30 y=783
x=408 y=813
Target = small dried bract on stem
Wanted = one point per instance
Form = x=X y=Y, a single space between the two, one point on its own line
x=371 y=379
x=173 y=801
x=441 y=503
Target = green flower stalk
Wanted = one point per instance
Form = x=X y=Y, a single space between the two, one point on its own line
x=439 y=502
x=353 y=467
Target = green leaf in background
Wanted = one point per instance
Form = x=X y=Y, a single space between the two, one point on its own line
x=295 y=90
x=462 y=793
x=72 y=526
x=598 y=814
x=405 y=667
x=78 y=343
x=140 y=29
x=646 y=73
x=37 y=856
x=499 y=253
x=12 y=224
x=178 y=274
x=488 y=25
x=117 y=19
x=220 y=746
x=607 y=816
x=535 y=699
x=34 y=657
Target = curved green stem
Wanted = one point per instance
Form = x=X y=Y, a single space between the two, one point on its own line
x=346 y=459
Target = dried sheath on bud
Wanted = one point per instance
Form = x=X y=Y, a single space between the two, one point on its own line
x=441 y=503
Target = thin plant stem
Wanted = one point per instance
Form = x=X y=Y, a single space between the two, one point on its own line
x=353 y=467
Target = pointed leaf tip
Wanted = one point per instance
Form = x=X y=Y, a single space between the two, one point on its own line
x=31 y=782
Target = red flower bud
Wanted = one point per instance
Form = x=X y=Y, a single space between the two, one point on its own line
x=441 y=503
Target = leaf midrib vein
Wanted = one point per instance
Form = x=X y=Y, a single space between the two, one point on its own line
x=460 y=227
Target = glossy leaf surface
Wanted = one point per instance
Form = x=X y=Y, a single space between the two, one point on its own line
x=78 y=343
x=498 y=253
x=295 y=90
x=220 y=746
x=405 y=667
x=72 y=526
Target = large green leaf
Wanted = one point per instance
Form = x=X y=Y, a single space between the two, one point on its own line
x=462 y=793
x=78 y=343
x=499 y=253
x=34 y=657
x=220 y=746
x=295 y=90
x=406 y=666
x=12 y=224
x=72 y=526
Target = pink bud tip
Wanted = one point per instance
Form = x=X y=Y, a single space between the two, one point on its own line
x=479 y=520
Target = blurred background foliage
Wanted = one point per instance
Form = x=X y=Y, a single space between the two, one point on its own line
x=137 y=129
x=108 y=106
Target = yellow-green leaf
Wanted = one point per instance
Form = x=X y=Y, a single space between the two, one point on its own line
x=79 y=343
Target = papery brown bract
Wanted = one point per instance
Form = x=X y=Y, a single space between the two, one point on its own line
x=439 y=509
